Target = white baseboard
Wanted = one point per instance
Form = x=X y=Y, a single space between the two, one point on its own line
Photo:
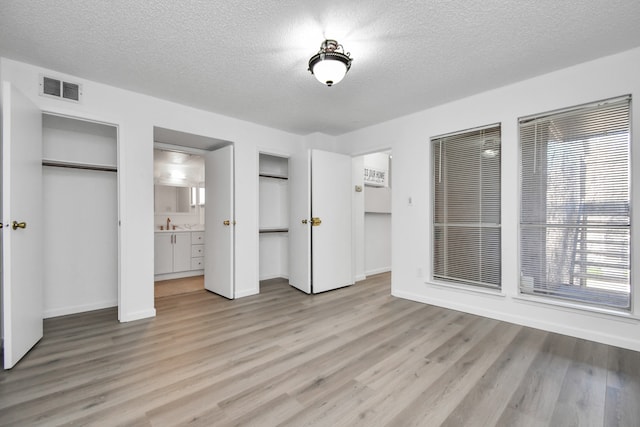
x=274 y=276
x=377 y=271
x=360 y=277
x=138 y=315
x=63 y=311
x=247 y=293
x=538 y=323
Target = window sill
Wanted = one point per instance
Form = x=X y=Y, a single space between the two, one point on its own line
x=574 y=306
x=470 y=289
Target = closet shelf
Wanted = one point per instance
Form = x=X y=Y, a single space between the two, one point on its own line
x=75 y=165
x=267 y=175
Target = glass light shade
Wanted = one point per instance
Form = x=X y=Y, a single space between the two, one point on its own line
x=330 y=71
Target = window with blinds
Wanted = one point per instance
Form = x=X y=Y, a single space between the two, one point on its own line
x=466 y=207
x=575 y=204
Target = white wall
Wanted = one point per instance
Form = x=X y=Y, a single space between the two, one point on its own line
x=411 y=246
x=377 y=242
x=136 y=115
x=80 y=246
x=274 y=255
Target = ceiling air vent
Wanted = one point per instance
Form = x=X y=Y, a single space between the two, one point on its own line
x=57 y=88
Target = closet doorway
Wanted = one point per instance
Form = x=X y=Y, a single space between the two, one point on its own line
x=273 y=212
x=80 y=222
x=60 y=250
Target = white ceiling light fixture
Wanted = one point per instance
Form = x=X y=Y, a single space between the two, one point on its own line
x=330 y=64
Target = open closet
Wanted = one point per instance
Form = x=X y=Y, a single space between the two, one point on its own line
x=273 y=176
x=80 y=224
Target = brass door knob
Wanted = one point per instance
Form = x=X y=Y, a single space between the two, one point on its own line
x=315 y=222
x=226 y=222
x=17 y=225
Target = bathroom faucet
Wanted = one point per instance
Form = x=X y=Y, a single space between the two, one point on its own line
x=168 y=221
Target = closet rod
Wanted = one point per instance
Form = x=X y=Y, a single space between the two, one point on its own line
x=71 y=165
x=266 y=175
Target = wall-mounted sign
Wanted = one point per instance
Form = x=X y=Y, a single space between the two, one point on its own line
x=375 y=177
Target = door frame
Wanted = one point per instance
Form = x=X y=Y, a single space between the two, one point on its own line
x=358 y=249
x=178 y=149
x=200 y=144
x=119 y=184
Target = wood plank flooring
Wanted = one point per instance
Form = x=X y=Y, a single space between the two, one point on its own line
x=350 y=357
x=165 y=288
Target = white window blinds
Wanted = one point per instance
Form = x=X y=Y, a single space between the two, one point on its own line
x=466 y=207
x=575 y=204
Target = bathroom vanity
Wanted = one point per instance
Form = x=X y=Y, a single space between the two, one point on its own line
x=178 y=253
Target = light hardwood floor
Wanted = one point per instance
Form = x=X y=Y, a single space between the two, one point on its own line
x=355 y=356
x=165 y=288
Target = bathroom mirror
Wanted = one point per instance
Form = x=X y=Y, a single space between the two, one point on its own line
x=171 y=199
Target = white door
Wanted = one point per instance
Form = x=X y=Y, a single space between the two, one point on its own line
x=219 y=222
x=299 y=225
x=331 y=221
x=22 y=255
x=320 y=255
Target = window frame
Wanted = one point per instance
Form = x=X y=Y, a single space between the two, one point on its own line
x=559 y=300
x=453 y=283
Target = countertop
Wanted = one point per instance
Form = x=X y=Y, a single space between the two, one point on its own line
x=181 y=229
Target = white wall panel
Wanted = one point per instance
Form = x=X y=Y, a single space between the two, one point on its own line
x=80 y=240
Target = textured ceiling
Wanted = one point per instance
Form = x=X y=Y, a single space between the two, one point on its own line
x=248 y=58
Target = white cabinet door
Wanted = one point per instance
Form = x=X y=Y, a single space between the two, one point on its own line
x=181 y=252
x=22 y=255
x=163 y=253
x=219 y=219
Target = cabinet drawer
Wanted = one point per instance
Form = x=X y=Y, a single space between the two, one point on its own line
x=197 y=251
x=197 y=237
x=197 y=263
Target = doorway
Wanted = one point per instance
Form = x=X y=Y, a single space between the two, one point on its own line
x=186 y=200
x=273 y=211
x=179 y=202
x=80 y=224
x=372 y=213
x=61 y=154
